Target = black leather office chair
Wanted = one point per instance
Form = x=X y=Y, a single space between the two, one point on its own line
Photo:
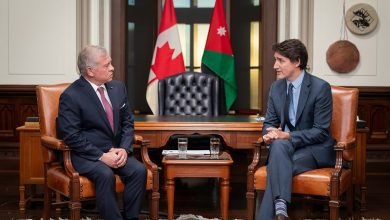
x=190 y=93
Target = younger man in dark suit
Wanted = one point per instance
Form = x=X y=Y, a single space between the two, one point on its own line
x=296 y=127
x=96 y=122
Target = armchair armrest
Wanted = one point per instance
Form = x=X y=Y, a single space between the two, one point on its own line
x=138 y=140
x=259 y=142
x=250 y=194
x=147 y=161
x=346 y=145
x=53 y=143
x=340 y=147
x=258 y=145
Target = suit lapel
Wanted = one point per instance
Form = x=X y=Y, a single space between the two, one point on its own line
x=305 y=90
x=95 y=99
x=114 y=102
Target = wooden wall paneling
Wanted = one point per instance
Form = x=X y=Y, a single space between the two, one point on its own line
x=7 y=120
x=118 y=38
x=16 y=103
x=27 y=110
x=374 y=108
x=379 y=115
x=269 y=19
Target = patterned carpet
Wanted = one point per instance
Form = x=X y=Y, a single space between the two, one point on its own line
x=194 y=217
x=181 y=217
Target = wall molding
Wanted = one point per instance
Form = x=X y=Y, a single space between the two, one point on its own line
x=370 y=91
x=17 y=90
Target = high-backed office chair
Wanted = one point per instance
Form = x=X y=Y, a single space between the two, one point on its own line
x=327 y=182
x=189 y=93
x=64 y=179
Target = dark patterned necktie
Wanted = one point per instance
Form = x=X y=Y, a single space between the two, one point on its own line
x=107 y=107
x=287 y=105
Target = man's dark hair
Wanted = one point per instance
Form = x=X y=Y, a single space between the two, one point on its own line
x=294 y=50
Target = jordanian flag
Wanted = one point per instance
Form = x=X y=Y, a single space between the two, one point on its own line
x=218 y=55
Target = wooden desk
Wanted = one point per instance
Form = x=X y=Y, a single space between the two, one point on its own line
x=199 y=168
x=238 y=131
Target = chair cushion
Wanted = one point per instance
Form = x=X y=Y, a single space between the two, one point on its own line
x=314 y=182
x=59 y=181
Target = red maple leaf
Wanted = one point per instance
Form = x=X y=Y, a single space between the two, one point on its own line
x=164 y=65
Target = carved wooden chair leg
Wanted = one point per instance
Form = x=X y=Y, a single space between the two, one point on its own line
x=155 y=205
x=58 y=200
x=75 y=207
x=334 y=206
x=350 y=202
x=46 y=202
x=250 y=202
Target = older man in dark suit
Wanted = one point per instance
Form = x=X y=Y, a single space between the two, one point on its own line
x=297 y=127
x=96 y=122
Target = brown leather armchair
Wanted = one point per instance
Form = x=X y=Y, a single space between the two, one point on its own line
x=327 y=182
x=65 y=180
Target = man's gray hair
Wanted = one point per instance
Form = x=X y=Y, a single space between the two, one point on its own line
x=88 y=57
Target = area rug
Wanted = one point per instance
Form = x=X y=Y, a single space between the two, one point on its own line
x=194 y=217
x=181 y=217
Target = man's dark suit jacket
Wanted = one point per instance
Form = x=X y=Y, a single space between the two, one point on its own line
x=84 y=127
x=313 y=117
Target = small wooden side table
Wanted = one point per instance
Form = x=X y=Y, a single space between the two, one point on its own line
x=31 y=162
x=198 y=167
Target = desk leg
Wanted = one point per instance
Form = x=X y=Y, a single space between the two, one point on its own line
x=363 y=190
x=170 y=184
x=224 y=200
x=22 y=201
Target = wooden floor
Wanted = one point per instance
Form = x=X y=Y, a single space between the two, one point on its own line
x=201 y=197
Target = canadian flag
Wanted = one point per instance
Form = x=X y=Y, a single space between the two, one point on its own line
x=167 y=57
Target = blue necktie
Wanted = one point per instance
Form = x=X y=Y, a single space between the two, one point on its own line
x=287 y=106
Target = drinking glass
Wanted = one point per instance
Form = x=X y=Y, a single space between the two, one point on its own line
x=214 y=146
x=182 y=144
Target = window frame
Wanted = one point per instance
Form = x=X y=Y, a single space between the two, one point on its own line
x=269 y=18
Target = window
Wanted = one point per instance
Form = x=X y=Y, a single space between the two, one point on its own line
x=193 y=17
x=141 y=35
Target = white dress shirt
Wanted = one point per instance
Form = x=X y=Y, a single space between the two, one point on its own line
x=95 y=88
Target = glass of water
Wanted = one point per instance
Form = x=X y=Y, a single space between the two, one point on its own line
x=182 y=144
x=214 y=146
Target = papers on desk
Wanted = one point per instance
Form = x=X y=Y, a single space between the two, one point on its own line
x=189 y=152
